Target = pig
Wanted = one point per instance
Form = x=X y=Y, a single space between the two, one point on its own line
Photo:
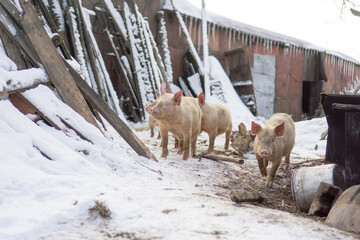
x=216 y=119
x=272 y=142
x=179 y=115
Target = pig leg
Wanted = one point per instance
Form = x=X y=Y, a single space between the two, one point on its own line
x=180 y=144
x=193 y=145
x=164 y=143
x=186 y=147
x=274 y=167
x=227 y=138
x=151 y=132
x=266 y=163
x=261 y=166
x=287 y=162
x=212 y=137
x=159 y=136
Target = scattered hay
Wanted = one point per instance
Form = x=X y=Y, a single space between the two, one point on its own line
x=100 y=209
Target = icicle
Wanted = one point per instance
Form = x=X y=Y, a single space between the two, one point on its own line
x=352 y=71
x=190 y=25
x=179 y=30
x=234 y=35
x=238 y=35
x=263 y=39
x=199 y=36
x=271 y=46
x=213 y=31
x=208 y=31
x=195 y=27
x=246 y=39
x=229 y=46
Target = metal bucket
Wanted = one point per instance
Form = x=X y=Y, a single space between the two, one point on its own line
x=305 y=182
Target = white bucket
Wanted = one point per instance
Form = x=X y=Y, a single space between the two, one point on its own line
x=305 y=182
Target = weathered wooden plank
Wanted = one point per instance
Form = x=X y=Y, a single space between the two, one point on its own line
x=18 y=36
x=121 y=68
x=217 y=157
x=52 y=24
x=9 y=6
x=98 y=104
x=12 y=50
x=53 y=63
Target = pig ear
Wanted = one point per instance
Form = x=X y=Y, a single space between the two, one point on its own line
x=177 y=97
x=255 y=128
x=163 y=88
x=242 y=128
x=279 y=129
x=201 y=99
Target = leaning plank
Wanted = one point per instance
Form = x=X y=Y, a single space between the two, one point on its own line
x=98 y=104
x=18 y=36
x=187 y=35
x=53 y=62
x=216 y=157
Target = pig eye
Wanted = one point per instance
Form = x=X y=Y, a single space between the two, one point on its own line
x=272 y=140
x=167 y=104
x=260 y=139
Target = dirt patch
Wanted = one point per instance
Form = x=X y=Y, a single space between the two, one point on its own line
x=279 y=196
x=222 y=178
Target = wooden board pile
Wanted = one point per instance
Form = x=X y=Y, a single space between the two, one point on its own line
x=34 y=36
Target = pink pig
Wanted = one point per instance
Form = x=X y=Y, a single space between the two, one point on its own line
x=272 y=142
x=216 y=119
x=179 y=115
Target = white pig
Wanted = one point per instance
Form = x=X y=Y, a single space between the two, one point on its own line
x=272 y=142
x=216 y=119
x=179 y=115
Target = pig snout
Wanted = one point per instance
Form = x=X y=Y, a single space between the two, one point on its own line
x=264 y=153
x=149 y=109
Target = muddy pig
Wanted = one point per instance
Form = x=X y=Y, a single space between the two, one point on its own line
x=179 y=115
x=216 y=119
x=272 y=142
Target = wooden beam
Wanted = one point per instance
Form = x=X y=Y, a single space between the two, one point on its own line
x=99 y=105
x=53 y=63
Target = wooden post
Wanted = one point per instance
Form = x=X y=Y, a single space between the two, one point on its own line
x=53 y=63
x=98 y=104
x=352 y=150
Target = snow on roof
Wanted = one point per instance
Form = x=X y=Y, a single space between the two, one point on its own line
x=189 y=10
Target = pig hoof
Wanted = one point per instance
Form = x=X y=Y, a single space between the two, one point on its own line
x=269 y=183
x=164 y=155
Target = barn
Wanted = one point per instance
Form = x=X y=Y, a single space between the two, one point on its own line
x=271 y=72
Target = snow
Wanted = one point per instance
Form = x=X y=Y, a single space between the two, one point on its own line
x=195 y=83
